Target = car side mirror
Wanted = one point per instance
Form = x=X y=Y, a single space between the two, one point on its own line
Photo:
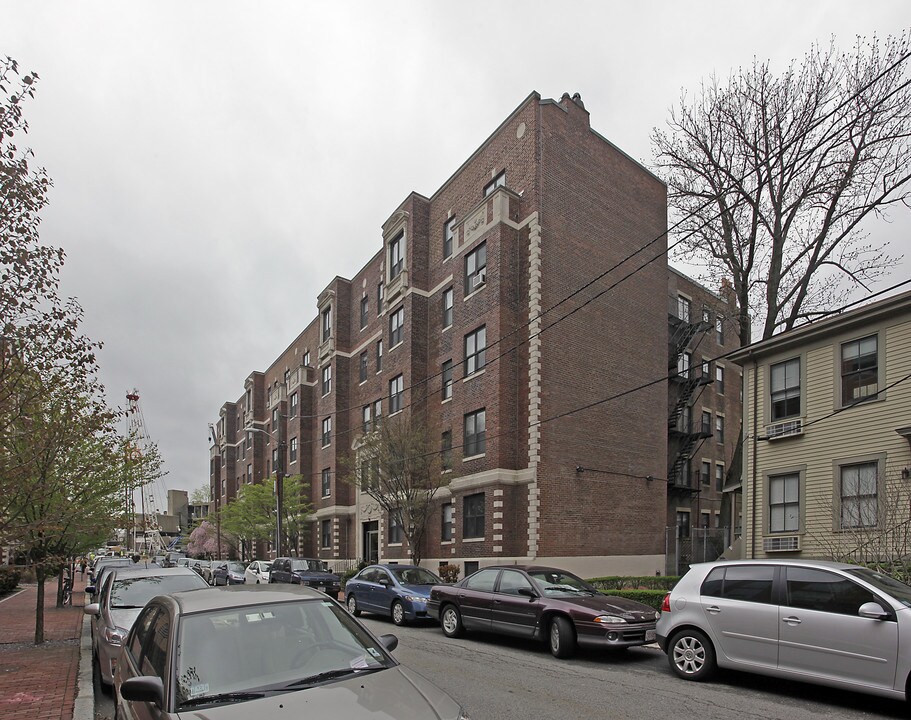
x=873 y=610
x=527 y=592
x=145 y=688
x=384 y=581
x=92 y=609
x=390 y=642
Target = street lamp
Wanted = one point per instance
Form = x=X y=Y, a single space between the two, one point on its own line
x=279 y=491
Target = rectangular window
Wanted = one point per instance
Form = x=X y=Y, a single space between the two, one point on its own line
x=365 y=418
x=859 y=370
x=707 y=316
x=785 y=386
x=362 y=368
x=683 y=523
x=396 y=255
x=327 y=323
x=365 y=311
x=448 y=517
x=473 y=516
x=719 y=428
x=446 y=450
x=476 y=433
x=379 y=355
x=719 y=477
x=683 y=308
x=859 y=506
x=475 y=350
x=719 y=380
x=684 y=362
x=249 y=473
x=447 y=380
x=705 y=475
x=306 y=361
x=396 y=325
x=476 y=268
x=327 y=431
x=377 y=411
x=498 y=181
x=379 y=298
x=719 y=329
x=326 y=379
x=326 y=534
x=395 y=529
x=292 y=450
x=275 y=458
x=447 y=237
x=396 y=394
x=706 y=423
x=784 y=503
x=326 y=481
x=292 y=404
x=447 y=307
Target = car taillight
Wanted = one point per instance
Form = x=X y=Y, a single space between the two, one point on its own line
x=666 y=605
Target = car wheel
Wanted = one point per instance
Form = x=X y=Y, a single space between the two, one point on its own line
x=451 y=621
x=352 y=606
x=562 y=637
x=398 y=613
x=691 y=655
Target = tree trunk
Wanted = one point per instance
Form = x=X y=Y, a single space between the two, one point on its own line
x=39 y=611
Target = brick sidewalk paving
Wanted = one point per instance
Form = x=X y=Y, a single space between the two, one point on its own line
x=39 y=682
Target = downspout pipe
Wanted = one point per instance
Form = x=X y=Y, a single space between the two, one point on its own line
x=754 y=443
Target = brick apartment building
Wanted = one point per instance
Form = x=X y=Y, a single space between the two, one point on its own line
x=705 y=410
x=477 y=312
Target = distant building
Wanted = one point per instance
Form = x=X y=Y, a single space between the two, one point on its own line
x=477 y=311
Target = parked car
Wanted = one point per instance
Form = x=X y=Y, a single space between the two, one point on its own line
x=258 y=572
x=229 y=573
x=543 y=603
x=400 y=591
x=305 y=571
x=101 y=562
x=264 y=648
x=821 y=622
x=96 y=578
x=170 y=560
x=125 y=592
x=200 y=567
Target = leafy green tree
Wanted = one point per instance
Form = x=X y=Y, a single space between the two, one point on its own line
x=775 y=177
x=400 y=467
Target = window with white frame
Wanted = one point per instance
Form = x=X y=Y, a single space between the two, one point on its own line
x=719 y=329
x=785 y=389
x=705 y=475
x=365 y=311
x=326 y=482
x=683 y=308
x=327 y=323
x=476 y=433
x=379 y=355
x=362 y=367
x=719 y=476
x=249 y=473
x=859 y=495
x=719 y=428
x=306 y=360
x=684 y=362
x=859 y=370
x=448 y=227
x=396 y=255
x=292 y=404
x=473 y=512
x=326 y=534
x=447 y=512
x=326 y=379
x=327 y=432
x=719 y=380
x=476 y=268
x=446 y=393
x=377 y=411
x=365 y=418
x=396 y=326
x=784 y=503
x=683 y=523
x=292 y=450
x=475 y=350
x=396 y=394
x=395 y=528
x=446 y=450
x=447 y=307
x=498 y=181
x=379 y=298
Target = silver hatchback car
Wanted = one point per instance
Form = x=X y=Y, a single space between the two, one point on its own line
x=809 y=620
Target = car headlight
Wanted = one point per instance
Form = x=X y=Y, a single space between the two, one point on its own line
x=114 y=635
x=609 y=619
x=414 y=598
x=657 y=615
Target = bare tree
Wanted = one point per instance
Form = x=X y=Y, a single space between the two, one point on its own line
x=773 y=178
x=400 y=467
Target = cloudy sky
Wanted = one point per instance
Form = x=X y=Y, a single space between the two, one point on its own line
x=216 y=164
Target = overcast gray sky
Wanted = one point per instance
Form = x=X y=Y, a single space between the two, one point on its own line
x=216 y=164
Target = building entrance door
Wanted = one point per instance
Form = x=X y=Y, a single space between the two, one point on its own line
x=372 y=541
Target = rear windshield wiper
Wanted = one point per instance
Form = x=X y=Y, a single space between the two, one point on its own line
x=222 y=697
x=331 y=675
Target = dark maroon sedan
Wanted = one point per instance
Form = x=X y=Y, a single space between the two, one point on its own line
x=543 y=603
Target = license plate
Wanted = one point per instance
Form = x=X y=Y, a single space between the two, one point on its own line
x=649 y=636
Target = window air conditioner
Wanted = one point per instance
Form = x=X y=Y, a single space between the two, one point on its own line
x=788 y=428
x=781 y=544
x=479 y=278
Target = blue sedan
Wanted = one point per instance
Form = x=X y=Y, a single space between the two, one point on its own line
x=400 y=591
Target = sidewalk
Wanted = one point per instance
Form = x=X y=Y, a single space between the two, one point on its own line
x=40 y=682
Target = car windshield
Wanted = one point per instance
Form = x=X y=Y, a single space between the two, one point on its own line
x=415 y=576
x=235 y=567
x=889 y=585
x=265 y=567
x=276 y=647
x=136 y=592
x=312 y=565
x=558 y=583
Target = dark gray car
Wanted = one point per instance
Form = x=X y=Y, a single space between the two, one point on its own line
x=257 y=651
x=305 y=571
x=815 y=621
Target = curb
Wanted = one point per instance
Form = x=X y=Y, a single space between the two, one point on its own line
x=84 y=705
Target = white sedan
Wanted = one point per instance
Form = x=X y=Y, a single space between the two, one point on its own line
x=258 y=572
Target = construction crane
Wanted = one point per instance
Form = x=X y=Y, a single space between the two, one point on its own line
x=138 y=435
